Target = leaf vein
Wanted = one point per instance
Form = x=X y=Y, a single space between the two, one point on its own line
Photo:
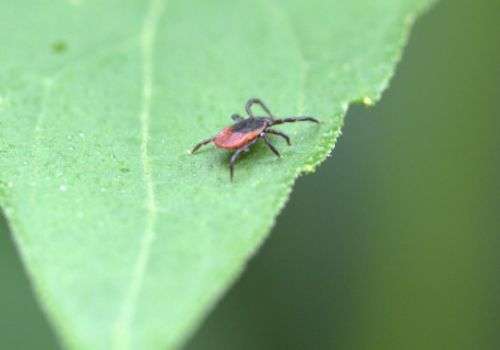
x=129 y=306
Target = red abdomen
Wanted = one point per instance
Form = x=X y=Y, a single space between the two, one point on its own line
x=230 y=139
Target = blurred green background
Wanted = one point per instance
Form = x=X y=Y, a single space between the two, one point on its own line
x=393 y=243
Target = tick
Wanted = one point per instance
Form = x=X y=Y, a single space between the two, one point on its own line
x=246 y=132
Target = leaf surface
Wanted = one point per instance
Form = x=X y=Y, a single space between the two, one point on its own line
x=128 y=239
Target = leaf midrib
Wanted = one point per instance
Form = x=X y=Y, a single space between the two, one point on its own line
x=121 y=335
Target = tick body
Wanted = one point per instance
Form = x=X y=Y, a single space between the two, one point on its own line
x=246 y=132
x=240 y=134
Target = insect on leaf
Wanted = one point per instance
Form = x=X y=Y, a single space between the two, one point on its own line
x=128 y=239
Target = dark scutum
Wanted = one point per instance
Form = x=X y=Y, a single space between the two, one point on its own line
x=249 y=125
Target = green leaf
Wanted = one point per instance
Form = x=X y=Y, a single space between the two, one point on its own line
x=128 y=239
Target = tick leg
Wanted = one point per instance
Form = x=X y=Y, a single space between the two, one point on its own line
x=236 y=117
x=279 y=133
x=259 y=102
x=202 y=143
x=236 y=154
x=271 y=146
x=293 y=120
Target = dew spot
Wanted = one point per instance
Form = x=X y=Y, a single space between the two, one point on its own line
x=368 y=102
x=125 y=170
x=309 y=168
